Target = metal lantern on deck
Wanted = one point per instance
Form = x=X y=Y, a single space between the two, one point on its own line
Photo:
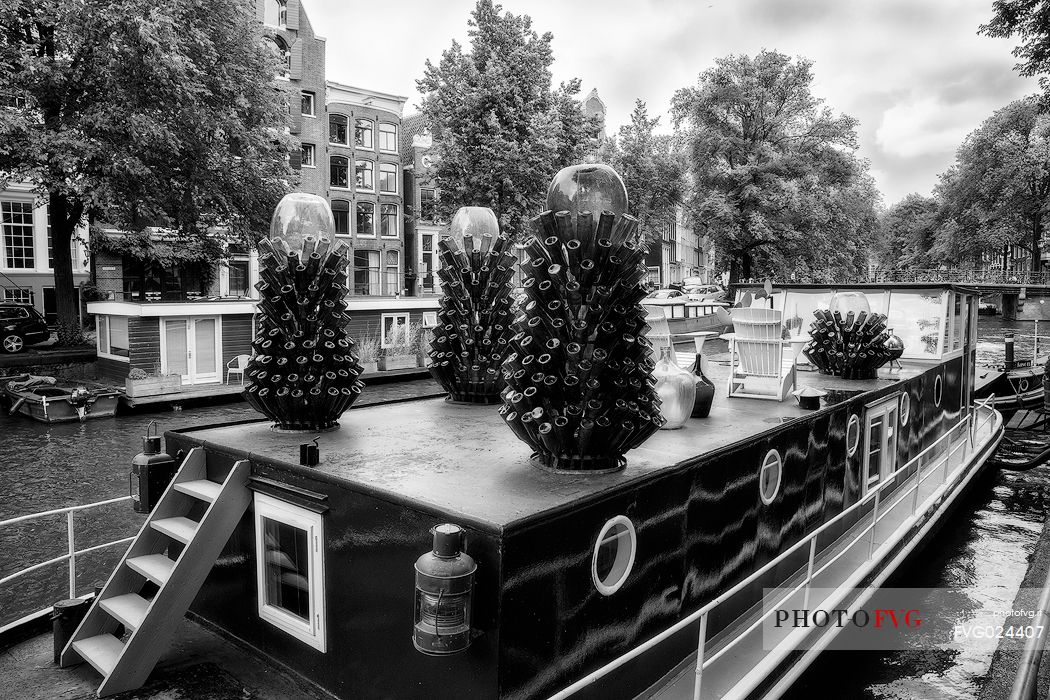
x=444 y=585
x=151 y=472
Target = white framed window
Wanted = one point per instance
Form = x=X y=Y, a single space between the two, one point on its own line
x=395 y=330
x=388 y=178
x=393 y=271
x=363 y=130
x=275 y=13
x=341 y=214
x=614 y=553
x=430 y=319
x=112 y=338
x=880 y=440
x=364 y=173
x=283 y=54
x=16 y=220
x=308 y=108
x=308 y=156
x=388 y=220
x=388 y=137
x=366 y=272
x=338 y=130
x=365 y=224
x=289 y=555
x=18 y=294
x=339 y=172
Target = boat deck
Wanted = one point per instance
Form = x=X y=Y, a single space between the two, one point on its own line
x=391 y=449
x=200 y=664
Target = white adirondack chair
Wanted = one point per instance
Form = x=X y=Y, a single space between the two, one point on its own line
x=660 y=335
x=761 y=367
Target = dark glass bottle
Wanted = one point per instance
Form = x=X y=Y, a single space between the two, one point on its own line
x=705 y=390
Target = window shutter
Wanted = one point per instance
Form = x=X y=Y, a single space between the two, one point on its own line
x=293 y=15
x=295 y=159
x=260 y=10
x=295 y=112
x=297 y=60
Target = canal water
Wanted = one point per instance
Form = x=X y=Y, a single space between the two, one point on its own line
x=983 y=550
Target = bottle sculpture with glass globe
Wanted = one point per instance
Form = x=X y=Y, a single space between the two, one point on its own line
x=847 y=339
x=579 y=376
x=475 y=318
x=303 y=372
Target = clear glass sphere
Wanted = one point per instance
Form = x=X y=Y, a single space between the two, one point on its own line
x=299 y=215
x=846 y=302
x=474 y=221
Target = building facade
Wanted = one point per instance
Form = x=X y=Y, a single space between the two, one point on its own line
x=681 y=253
x=423 y=225
x=26 y=265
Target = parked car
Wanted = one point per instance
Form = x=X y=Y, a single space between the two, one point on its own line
x=21 y=325
x=664 y=294
x=706 y=292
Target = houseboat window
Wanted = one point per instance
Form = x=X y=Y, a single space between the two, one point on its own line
x=769 y=476
x=905 y=408
x=290 y=568
x=958 y=319
x=938 y=389
x=113 y=336
x=852 y=435
x=614 y=554
x=880 y=456
x=395 y=330
x=917 y=316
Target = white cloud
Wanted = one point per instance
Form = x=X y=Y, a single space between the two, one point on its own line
x=923 y=126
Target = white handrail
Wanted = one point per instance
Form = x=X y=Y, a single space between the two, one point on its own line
x=701 y=613
x=71 y=551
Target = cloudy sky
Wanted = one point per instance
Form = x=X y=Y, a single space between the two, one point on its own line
x=914 y=72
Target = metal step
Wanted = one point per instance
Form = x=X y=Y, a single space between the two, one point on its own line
x=102 y=651
x=156 y=567
x=177 y=528
x=129 y=609
x=202 y=489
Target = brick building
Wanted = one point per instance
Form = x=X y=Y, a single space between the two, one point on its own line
x=423 y=226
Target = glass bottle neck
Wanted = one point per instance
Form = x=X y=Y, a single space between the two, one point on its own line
x=665 y=354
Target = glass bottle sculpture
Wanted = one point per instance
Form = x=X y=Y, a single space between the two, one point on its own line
x=676 y=388
x=579 y=376
x=476 y=314
x=847 y=340
x=303 y=370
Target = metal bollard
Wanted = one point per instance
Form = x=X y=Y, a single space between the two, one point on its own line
x=1009 y=340
x=65 y=618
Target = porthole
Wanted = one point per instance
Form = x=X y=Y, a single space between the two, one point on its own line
x=937 y=391
x=769 y=476
x=852 y=435
x=613 y=555
x=1023 y=385
x=905 y=408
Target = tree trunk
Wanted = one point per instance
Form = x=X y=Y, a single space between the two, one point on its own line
x=64 y=219
x=1037 y=234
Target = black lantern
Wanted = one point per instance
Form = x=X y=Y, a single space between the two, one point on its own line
x=444 y=581
x=151 y=472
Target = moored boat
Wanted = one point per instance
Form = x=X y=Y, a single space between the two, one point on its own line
x=59 y=401
x=644 y=582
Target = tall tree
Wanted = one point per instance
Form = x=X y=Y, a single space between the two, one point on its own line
x=768 y=162
x=500 y=131
x=998 y=192
x=906 y=233
x=651 y=168
x=1029 y=20
x=133 y=113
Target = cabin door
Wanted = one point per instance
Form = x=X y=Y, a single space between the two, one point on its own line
x=880 y=440
x=190 y=347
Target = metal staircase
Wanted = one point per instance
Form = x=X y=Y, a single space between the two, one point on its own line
x=153 y=585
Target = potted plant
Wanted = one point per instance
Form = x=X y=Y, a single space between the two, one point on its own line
x=139 y=384
x=399 y=353
x=368 y=350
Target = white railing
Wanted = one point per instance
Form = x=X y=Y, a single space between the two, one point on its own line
x=923 y=472
x=71 y=550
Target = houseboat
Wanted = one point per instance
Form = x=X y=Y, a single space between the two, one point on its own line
x=652 y=581
x=685 y=315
